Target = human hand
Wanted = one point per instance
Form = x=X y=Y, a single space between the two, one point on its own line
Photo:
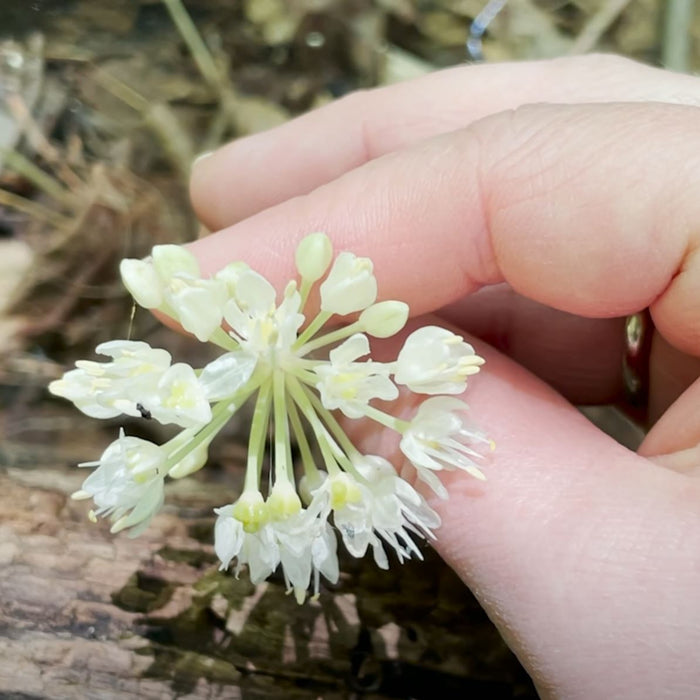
x=581 y=210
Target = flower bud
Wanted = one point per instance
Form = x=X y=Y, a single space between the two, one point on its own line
x=384 y=319
x=313 y=256
x=190 y=464
x=170 y=260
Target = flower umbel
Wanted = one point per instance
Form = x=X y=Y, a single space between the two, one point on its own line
x=271 y=355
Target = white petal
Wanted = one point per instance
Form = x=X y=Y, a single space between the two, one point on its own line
x=349 y=350
x=142 y=282
x=230 y=276
x=227 y=374
x=180 y=398
x=171 y=260
x=228 y=538
x=350 y=285
x=254 y=294
x=200 y=308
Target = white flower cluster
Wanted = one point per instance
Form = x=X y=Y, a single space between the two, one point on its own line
x=267 y=354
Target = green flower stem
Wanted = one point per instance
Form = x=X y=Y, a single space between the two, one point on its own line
x=304 y=289
x=297 y=392
x=221 y=413
x=311 y=329
x=332 y=423
x=305 y=375
x=307 y=459
x=387 y=420
x=258 y=434
x=328 y=338
x=221 y=338
x=348 y=450
x=183 y=437
x=283 y=462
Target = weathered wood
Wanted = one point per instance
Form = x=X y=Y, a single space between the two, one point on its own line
x=84 y=614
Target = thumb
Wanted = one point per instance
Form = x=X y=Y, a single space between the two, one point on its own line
x=583 y=554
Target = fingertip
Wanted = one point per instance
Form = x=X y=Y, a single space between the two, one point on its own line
x=204 y=188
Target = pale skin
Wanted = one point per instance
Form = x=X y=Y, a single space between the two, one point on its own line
x=531 y=205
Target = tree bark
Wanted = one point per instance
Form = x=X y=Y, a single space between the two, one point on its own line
x=85 y=614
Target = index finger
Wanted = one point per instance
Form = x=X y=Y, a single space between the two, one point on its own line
x=261 y=170
x=590 y=209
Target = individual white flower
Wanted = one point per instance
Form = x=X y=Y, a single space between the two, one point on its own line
x=348 y=385
x=198 y=305
x=304 y=544
x=242 y=533
x=308 y=548
x=228 y=373
x=256 y=322
x=388 y=509
x=439 y=437
x=107 y=389
x=178 y=398
x=127 y=485
x=434 y=360
x=147 y=280
x=171 y=281
x=260 y=552
x=350 y=285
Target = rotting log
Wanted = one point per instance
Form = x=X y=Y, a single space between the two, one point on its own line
x=85 y=614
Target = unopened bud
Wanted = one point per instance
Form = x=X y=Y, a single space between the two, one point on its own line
x=169 y=260
x=313 y=256
x=190 y=464
x=384 y=319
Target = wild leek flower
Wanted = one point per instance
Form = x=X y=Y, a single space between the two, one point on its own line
x=271 y=357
